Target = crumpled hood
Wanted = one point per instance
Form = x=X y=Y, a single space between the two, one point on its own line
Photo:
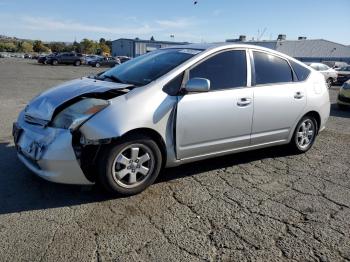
x=43 y=106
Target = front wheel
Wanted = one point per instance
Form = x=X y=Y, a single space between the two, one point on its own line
x=130 y=166
x=97 y=65
x=329 y=82
x=54 y=62
x=77 y=63
x=304 y=134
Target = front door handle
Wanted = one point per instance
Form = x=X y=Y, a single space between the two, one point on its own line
x=298 y=95
x=244 y=101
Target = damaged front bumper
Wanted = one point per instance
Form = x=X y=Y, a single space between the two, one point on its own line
x=48 y=152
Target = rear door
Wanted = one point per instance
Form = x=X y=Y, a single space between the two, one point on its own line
x=65 y=58
x=279 y=99
x=219 y=120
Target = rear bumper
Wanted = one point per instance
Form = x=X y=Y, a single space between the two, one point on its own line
x=48 y=152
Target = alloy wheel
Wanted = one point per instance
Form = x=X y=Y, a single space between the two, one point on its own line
x=305 y=134
x=133 y=165
x=329 y=82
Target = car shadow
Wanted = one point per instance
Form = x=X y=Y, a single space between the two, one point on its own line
x=336 y=112
x=198 y=167
x=21 y=190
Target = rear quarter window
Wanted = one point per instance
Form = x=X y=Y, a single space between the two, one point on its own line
x=301 y=71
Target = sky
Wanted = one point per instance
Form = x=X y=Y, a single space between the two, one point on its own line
x=207 y=21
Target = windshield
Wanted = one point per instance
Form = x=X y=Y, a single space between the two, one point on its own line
x=146 y=68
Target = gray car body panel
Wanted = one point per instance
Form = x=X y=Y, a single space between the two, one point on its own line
x=199 y=125
x=48 y=152
x=43 y=106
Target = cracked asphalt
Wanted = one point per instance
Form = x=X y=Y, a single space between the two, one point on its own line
x=264 y=205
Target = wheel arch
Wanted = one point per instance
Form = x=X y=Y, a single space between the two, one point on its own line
x=154 y=135
x=317 y=117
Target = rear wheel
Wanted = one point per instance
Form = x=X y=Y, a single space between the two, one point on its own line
x=329 y=82
x=77 y=63
x=54 y=62
x=304 y=134
x=97 y=65
x=130 y=166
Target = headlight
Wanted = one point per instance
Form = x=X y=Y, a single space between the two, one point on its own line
x=76 y=114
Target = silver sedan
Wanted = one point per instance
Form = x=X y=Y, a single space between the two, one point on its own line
x=169 y=107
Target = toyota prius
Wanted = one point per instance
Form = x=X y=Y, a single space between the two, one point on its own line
x=168 y=107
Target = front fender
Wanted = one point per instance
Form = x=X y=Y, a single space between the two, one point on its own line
x=137 y=109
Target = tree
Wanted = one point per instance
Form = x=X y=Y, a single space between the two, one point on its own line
x=25 y=47
x=88 y=46
x=102 y=40
x=57 y=46
x=109 y=44
x=7 y=47
x=76 y=47
x=39 y=47
x=104 y=48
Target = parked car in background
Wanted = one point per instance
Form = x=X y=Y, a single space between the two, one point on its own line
x=35 y=56
x=343 y=74
x=4 y=55
x=27 y=56
x=335 y=64
x=343 y=100
x=329 y=74
x=123 y=59
x=44 y=58
x=89 y=58
x=168 y=107
x=67 y=59
x=104 y=61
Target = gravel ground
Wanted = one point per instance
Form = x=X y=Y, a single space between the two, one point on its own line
x=264 y=205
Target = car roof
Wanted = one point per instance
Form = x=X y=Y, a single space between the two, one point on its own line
x=207 y=46
x=314 y=63
x=226 y=45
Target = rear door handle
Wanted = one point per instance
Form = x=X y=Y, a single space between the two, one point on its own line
x=298 y=95
x=244 y=101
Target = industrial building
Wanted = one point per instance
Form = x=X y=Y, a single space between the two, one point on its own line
x=303 y=49
x=136 y=47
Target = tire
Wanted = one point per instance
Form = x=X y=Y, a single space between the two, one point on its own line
x=120 y=170
x=77 y=63
x=342 y=107
x=54 y=62
x=302 y=139
x=97 y=65
x=329 y=82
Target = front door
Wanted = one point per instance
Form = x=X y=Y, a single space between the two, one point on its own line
x=219 y=120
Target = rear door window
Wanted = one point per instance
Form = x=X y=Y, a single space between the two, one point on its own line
x=270 y=69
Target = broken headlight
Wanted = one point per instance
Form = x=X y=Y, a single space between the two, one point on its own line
x=76 y=114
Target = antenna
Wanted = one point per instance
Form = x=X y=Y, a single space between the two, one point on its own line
x=262 y=34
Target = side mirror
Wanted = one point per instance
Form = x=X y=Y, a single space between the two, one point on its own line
x=197 y=85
